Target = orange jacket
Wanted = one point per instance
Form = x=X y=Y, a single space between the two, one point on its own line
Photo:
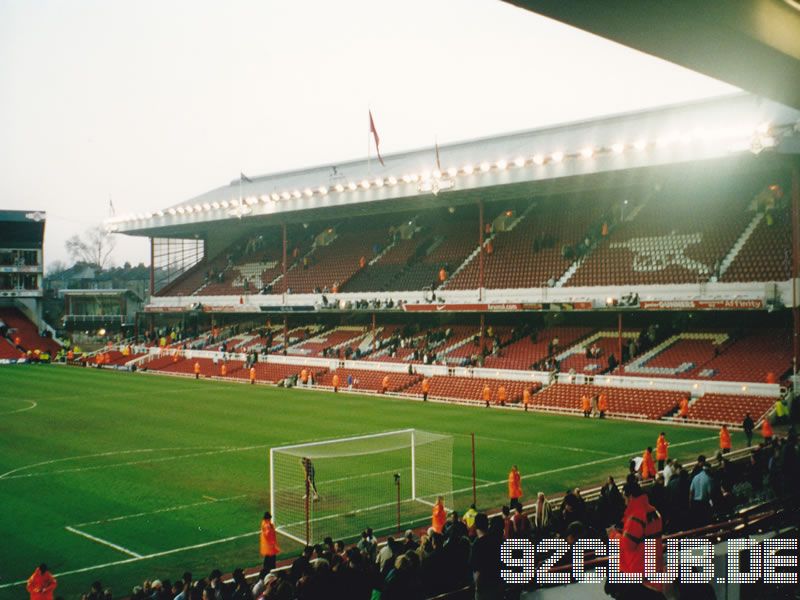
x=526 y=396
x=439 y=517
x=41 y=585
x=585 y=404
x=487 y=393
x=304 y=376
x=602 y=403
x=648 y=466
x=335 y=381
x=385 y=383
x=684 y=411
x=426 y=385
x=724 y=439
x=223 y=370
x=269 y=539
x=197 y=368
x=766 y=429
x=252 y=373
x=501 y=394
x=661 y=448
x=514 y=487
x=641 y=521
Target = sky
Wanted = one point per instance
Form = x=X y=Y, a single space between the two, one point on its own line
x=151 y=102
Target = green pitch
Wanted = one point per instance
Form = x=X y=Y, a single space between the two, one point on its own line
x=120 y=477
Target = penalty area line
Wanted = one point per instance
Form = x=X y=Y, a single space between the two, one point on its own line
x=103 y=542
x=138 y=558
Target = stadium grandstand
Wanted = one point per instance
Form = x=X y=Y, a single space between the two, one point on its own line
x=326 y=342
x=645 y=259
x=23 y=333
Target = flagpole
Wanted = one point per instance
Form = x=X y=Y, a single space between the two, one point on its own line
x=369 y=148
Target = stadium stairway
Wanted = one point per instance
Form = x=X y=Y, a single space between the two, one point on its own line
x=738 y=245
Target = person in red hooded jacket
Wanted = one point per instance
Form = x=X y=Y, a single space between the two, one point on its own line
x=41 y=584
x=640 y=522
x=648 y=467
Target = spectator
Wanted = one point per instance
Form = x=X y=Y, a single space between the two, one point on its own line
x=748 y=425
x=700 y=496
x=41 y=584
x=485 y=561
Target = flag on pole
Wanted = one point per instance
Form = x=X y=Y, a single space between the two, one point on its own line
x=243 y=177
x=374 y=133
x=438 y=164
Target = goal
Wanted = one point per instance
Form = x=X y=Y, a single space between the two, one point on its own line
x=384 y=481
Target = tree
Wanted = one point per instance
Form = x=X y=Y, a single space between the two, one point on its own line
x=56 y=267
x=93 y=247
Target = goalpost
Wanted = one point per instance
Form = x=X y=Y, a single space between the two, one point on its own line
x=380 y=480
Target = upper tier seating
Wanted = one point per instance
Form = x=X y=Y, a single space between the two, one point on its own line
x=677 y=237
x=381 y=275
x=518 y=261
x=19 y=326
x=767 y=254
x=331 y=266
x=445 y=240
x=730 y=409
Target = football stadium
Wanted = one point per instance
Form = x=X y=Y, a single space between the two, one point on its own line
x=357 y=379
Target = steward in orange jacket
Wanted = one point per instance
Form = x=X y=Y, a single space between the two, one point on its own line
x=268 y=543
x=439 y=516
x=526 y=398
x=41 y=584
x=514 y=486
x=661 y=450
x=385 y=384
x=648 y=466
x=766 y=430
x=223 y=370
x=426 y=387
x=602 y=404
x=684 y=408
x=501 y=396
x=586 y=406
x=486 y=394
x=197 y=370
x=304 y=376
x=640 y=522
x=724 y=439
x=252 y=375
x=335 y=383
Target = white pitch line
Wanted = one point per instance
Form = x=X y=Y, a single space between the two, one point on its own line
x=141 y=557
x=243 y=535
x=99 y=454
x=103 y=542
x=9 y=476
x=160 y=510
x=19 y=410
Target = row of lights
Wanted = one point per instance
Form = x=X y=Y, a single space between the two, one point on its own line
x=540 y=159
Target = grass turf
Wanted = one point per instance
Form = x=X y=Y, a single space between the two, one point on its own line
x=164 y=468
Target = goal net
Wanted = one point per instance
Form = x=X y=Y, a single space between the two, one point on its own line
x=339 y=487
